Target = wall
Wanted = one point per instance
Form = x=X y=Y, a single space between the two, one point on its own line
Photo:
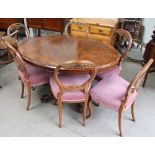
x=149 y=24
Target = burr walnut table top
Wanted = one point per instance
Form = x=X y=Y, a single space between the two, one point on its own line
x=50 y=51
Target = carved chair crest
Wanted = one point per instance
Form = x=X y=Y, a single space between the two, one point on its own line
x=13 y=31
x=124 y=42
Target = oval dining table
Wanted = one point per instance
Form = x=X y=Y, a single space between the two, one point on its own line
x=49 y=51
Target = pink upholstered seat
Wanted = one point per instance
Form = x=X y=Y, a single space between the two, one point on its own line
x=111 y=91
x=70 y=80
x=115 y=71
x=37 y=76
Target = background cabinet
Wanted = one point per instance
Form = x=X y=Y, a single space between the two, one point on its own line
x=6 y=22
x=54 y=24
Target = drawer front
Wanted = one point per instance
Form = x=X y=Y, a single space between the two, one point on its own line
x=102 y=38
x=99 y=37
x=100 y=30
x=78 y=27
x=78 y=34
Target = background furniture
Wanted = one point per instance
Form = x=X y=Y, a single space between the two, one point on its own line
x=77 y=24
x=54 y=24
x=5 y=57
x=99 y=28
x=150 y=53
x=48 y=52
x=2 y=34
x=6 y=22
x=118 y=94
x=135 y=27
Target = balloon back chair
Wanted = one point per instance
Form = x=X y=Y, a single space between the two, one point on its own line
x=12 y=37
x=118 y=94
x=30 y=76
x=71 y=84
x=122 y=37
x=82 y=26
x=13 y=32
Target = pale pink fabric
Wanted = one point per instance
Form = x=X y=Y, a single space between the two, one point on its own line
x=105 y=74
x=37 y=76
x=70 y=80
x=111 y=91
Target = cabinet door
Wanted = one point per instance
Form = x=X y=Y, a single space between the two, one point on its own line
x=35 y=22
x=53 y=24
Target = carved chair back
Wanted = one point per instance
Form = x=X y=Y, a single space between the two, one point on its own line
x=124 y=37
x=75 y=67
x=13 y=32
x=18 y=60
x=69 y=24
x=135 y=82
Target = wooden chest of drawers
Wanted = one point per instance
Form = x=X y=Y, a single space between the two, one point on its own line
x=98 y=28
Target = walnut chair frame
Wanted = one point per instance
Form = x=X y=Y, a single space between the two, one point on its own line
x=12 y=37
x=75 y=67
x=124 y=36
x=13 y=31
x=21 y=68
x=132 y=88
x=119 y=34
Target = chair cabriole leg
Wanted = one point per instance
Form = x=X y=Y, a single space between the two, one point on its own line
x=133 y=111
x=60 y=112
x=145 y=79
x=85 y=111
x=120 y=117
x=22 y=93
x=90 y=108
x=29 y=96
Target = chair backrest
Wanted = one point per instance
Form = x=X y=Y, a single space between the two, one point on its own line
x=122 y=36
x=18 y=60
x=76 y=67
x=13 y=31
x=136 y=81
x=69 y=24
